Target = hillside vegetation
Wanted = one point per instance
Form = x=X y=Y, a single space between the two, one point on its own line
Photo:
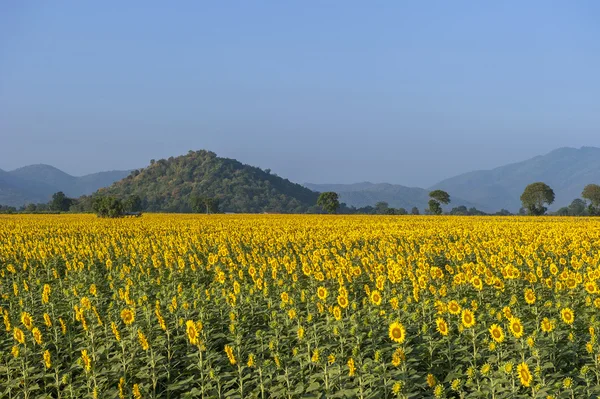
x=170 y=185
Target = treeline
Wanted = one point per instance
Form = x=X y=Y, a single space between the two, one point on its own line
x=535 y=199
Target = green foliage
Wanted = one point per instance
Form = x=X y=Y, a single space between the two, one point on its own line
x=169 y=185
x=414 y=211
x=329 y=201
x=60 y=202
x=382 y=208
x=535 y=196
x=202 y=204
x=591 y=192
x=108 y=207
x=435 y=207
x=577 y=208
x=440 y=196
x=133 y=203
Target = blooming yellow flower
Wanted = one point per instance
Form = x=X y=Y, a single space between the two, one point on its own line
x=567 y=315
x=516 y=328
x=87 y=362
x=497 y=333
x=47 y=360
x=397 y=332
x=230 y=355
x=468 y=319
x=18 y=335
x=128 y=316
x=442 y=326
x=524 y=374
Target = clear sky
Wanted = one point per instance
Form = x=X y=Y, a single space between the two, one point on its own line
x=318 y=91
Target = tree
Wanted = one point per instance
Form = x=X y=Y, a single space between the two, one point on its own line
x=382 y=208
x=438 y=197
x=434 y=207
x=591 y=192
x=204 y=204
x=401 y=211
x=108 y=207
x=414 y=210
x=535 y=196
x=133 y=203
x=60 y=202
x=564 y=211
x=329 y=201
x=577 y=207
x=460 y=210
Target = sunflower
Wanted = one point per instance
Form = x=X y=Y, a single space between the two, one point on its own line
x=87 y=363
x=375 y=297
x=337 y=312
x=477 y=283
x=342 y=301
x=27 y=320
x=442 y=326
x=18 y=335
x=398 y=357
x=468 y=319
x=497 y=333
x=128 y=316
x=47 y=360
x=516 y=328
x=529 y=296
x=322 y=293
x=47 y=320
x=351 y=367
x=37 y=335
x=524 y=374
x=397 y=332
x=567 y=315
x=230 y=356
x=431 y=380
x=547 y=325
x=453 y=307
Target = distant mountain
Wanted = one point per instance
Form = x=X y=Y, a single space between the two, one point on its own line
x=37 y=183
x=566 y=170
x=168 y=185
x=397 y=196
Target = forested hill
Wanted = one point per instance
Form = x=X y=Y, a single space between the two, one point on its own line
x=169 y=185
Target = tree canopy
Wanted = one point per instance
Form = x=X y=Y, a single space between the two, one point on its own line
x=536 y=196
x=329 y=201
x=591 y=192
x=438 y=197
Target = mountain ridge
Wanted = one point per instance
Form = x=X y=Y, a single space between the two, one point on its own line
x=36 y=183
x=566 y=170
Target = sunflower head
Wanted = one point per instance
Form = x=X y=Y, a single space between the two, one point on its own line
x=397 y=332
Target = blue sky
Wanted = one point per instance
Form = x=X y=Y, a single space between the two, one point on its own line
x=329 y=91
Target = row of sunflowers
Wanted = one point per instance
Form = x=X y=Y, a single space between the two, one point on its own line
x=287 y=306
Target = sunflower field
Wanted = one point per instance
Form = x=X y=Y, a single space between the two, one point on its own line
x=290 y=306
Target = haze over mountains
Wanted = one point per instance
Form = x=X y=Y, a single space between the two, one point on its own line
x=167 y=184
x=37 y=183
x=566 y=170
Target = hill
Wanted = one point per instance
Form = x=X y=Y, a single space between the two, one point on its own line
x=566 y=170
x=168 y=185
x=397 y=196
x=37 y=183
